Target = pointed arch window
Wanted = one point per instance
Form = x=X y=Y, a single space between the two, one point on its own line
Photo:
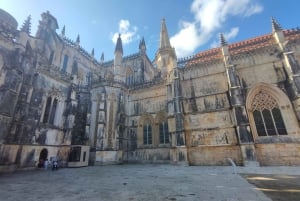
x=147 y=134
x=163 y=133
x=267 y=115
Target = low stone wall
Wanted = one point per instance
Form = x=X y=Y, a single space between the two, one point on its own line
x=214 y=155
x=278 y=154
x=157 y=155
x=108 y=157
x=27 y=156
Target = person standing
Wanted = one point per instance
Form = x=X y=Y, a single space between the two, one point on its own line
x=46 y=163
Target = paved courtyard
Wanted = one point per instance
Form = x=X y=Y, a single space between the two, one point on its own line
x=136 y=183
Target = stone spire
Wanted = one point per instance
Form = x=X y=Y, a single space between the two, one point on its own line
x=119 y=47
x=63 y=31
x=26 y=27
x=142 y=45
x=165 y=58
x=223 y=42
x=275 y=25
x=164 y=37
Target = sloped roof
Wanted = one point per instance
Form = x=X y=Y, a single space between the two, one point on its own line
x=251 y=44
x=292 y=34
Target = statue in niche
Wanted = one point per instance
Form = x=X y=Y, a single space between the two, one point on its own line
x=180 y=139
x=250 y=154
x=222 y=139
x=245 y=135
x=218 y=103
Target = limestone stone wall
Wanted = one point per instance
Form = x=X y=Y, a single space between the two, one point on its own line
x=278 y=154
x=28 y=155
x=158 y=155
x=214 y=155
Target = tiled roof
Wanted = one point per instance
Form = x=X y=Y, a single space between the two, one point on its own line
x=235 y=48
x=205 y=57
x=251 y=44
x=292 y=34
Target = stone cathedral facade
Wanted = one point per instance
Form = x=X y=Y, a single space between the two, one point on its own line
x=239 y=101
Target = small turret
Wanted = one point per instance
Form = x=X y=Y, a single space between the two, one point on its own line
x=278 y=33
x=275 y=25
x=223 y=41
x=63 y=31
x=119 y=47
x=142 y=46
x=118 y=52
x=102 y=58
x=26 y=27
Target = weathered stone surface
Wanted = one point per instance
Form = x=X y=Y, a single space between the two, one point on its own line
x=236 y=101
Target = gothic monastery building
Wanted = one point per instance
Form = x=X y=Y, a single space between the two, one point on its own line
x=238 y=102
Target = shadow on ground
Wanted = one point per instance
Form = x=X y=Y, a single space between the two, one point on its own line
x=276 y=187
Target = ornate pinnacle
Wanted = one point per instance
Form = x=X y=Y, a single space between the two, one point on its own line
x=275 y=25
x=223 y=42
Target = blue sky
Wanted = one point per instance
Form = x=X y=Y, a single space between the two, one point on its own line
x=193 y=25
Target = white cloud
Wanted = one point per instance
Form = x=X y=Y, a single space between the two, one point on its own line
x=232 y=33
x=128 y=32
x=209 y=17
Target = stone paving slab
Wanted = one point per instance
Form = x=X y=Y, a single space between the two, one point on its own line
x=134 y=182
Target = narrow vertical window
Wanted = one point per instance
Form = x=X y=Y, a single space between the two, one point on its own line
x=163 y=133
x=53 y=111
x=47 y=110
x=260 y=126
x=147 y=134
x=279 y=121
x=65 y=63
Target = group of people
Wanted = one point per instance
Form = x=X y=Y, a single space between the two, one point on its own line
x=45 y=164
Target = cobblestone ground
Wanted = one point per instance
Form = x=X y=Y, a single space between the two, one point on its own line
x=130 y=182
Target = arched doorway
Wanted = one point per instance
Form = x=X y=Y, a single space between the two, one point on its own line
x=43 y=157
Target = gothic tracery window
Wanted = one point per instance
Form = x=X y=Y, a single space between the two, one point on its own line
x=267 y=115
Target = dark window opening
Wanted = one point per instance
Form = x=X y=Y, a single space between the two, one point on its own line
x=47 y=110
x=84 y=155
x=75 y=153
x=269 y=122
x=163 y=133
x=53 y=111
